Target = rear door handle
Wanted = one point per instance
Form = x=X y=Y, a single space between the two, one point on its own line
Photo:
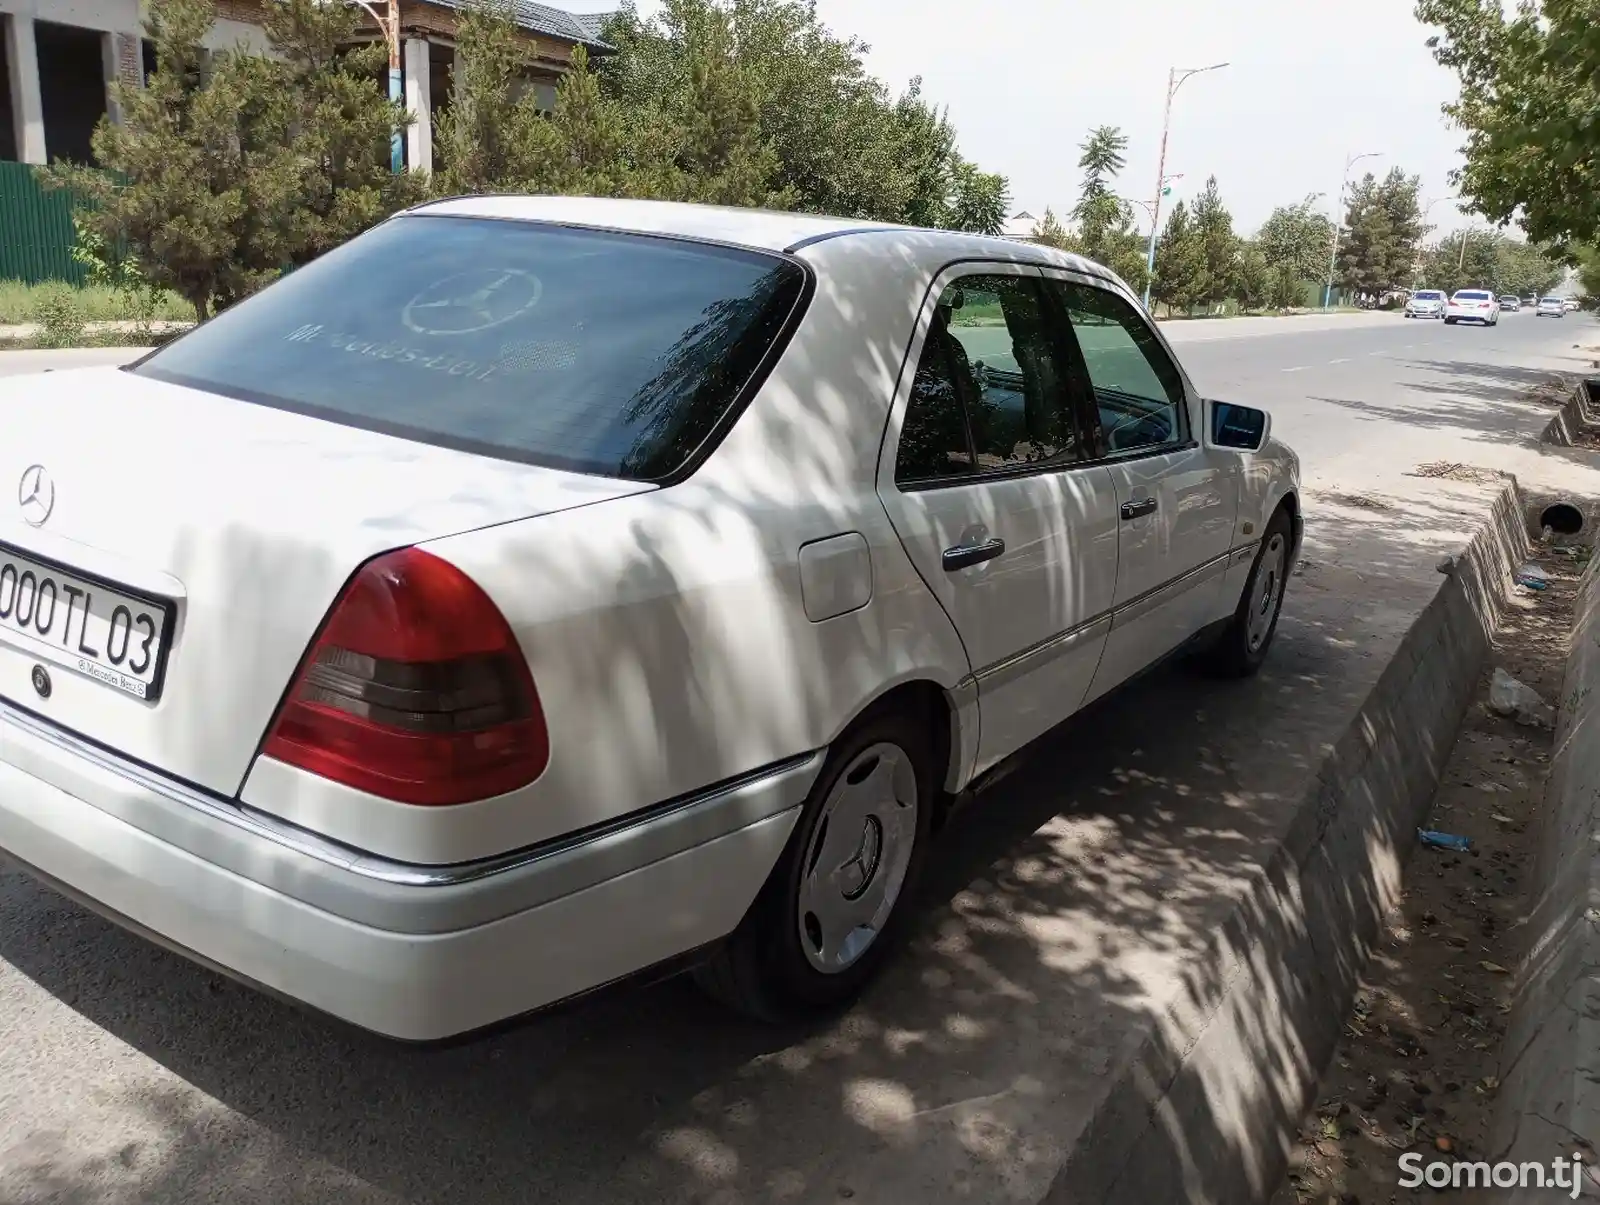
x=964 y=556
x=1139 y=508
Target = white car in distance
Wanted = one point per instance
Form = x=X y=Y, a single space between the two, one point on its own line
x=534 y=591
x=1472 y=305
x=1425 y=303
x=1551 y=307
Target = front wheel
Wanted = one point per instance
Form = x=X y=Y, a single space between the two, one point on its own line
x=836 y=904
x=1243 y=646
x=1449 y=321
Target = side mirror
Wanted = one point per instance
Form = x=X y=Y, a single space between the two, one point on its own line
x=1236 y=426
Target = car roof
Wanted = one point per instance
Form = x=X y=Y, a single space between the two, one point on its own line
x=764 y=229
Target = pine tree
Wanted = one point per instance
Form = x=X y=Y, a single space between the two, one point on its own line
x=1049 y=232
x=1180 y=277
x=334 y=177
x=180 y=152
x=1251 y=276
x=1214 y=225
x=491 y=137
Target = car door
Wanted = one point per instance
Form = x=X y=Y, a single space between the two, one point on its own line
x=985 y=479
x=1176 y=499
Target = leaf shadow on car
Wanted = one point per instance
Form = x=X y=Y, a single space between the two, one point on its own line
x=1079 y=898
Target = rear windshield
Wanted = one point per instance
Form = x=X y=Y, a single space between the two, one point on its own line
x=1466 y=296
x=1551 y=301
x=1426 y=295
x=597 y=352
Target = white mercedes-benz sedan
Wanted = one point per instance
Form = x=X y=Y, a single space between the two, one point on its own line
x=534 y=592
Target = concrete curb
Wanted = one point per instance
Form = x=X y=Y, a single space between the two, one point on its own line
x=1242 y=1046
x=1549 y=1102
x=1580 y=415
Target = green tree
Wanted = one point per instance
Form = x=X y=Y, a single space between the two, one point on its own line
x=1285 y=290
x=1588 y=257
x=491 y=136
x=1251 y=277
x=1384 y=221
x=330 y=174
x=181 y=150
x=1530 y=89
x=1099 y=210
x=1106 y=231
x=1523 y=267
x=979 y=199
x=1448 y=266
x=1051 y=233
x=842 y=143
x=1219 y=245
x=1180 y=280
x=1297 y=239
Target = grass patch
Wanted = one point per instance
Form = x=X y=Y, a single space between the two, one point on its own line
x=19 y=303
x=94 y=338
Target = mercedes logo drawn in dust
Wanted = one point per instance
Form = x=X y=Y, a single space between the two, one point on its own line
x=468 y=302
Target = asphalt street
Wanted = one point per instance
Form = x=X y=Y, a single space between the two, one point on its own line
x=129 y=1076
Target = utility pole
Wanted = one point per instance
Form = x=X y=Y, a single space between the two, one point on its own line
x=1338 y=217
x=1175 y=78
x=388 y=22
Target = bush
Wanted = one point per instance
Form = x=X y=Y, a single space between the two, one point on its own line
x=60 y=317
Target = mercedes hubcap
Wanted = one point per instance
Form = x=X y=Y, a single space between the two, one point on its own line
x=1267 y=592
x=856 y=861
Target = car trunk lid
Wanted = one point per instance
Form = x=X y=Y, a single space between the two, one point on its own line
x=236 y=525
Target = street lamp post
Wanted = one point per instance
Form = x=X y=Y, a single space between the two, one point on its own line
x=388 y=23
x=1338 y=204
x=1175 y=78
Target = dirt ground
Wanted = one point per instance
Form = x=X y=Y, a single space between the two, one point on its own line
x=1415 y=1067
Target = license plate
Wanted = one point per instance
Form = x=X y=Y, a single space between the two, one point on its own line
x=103 y=632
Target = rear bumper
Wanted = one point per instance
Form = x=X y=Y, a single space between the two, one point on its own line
x=417 y=953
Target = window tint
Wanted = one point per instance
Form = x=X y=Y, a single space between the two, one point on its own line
x=1006 y=361
x=933 y=438
x=990 y=383
x=1138 y=389
x=1465 y=295
x=597 y=352
x=1427 y=295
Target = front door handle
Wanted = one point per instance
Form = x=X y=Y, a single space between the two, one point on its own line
x=964 y=556
x=1139 y=508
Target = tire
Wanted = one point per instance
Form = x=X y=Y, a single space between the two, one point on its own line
x=1243 y=646
x=1449 y=321
x=782 y=963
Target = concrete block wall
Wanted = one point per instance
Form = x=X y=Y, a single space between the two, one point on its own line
x=1549 y=1101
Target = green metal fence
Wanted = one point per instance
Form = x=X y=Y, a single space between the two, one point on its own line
x=35 y=229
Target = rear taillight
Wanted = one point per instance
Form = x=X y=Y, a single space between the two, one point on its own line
x=416 y=690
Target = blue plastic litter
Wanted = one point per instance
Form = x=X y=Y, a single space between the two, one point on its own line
x=1444 y=840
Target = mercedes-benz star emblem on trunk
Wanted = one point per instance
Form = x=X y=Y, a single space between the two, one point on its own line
x=36 y=495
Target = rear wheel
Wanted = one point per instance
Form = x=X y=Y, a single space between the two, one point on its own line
x=836 y=905
x=1243 y=646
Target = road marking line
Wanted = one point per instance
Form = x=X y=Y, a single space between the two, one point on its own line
x=1341 y=360
x=1301 y=368
x=1377 y=353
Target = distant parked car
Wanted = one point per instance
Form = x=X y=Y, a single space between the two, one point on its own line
x=1425 y=303
x=1511 y=302
x=1472 y=305
x=1553 y=307
x=1571 y=304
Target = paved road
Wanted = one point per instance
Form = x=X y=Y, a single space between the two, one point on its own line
x=128 y=1076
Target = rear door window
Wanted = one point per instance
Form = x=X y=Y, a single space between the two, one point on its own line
x=593 y=351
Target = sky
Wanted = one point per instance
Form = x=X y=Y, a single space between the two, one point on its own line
x=1310 y=82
